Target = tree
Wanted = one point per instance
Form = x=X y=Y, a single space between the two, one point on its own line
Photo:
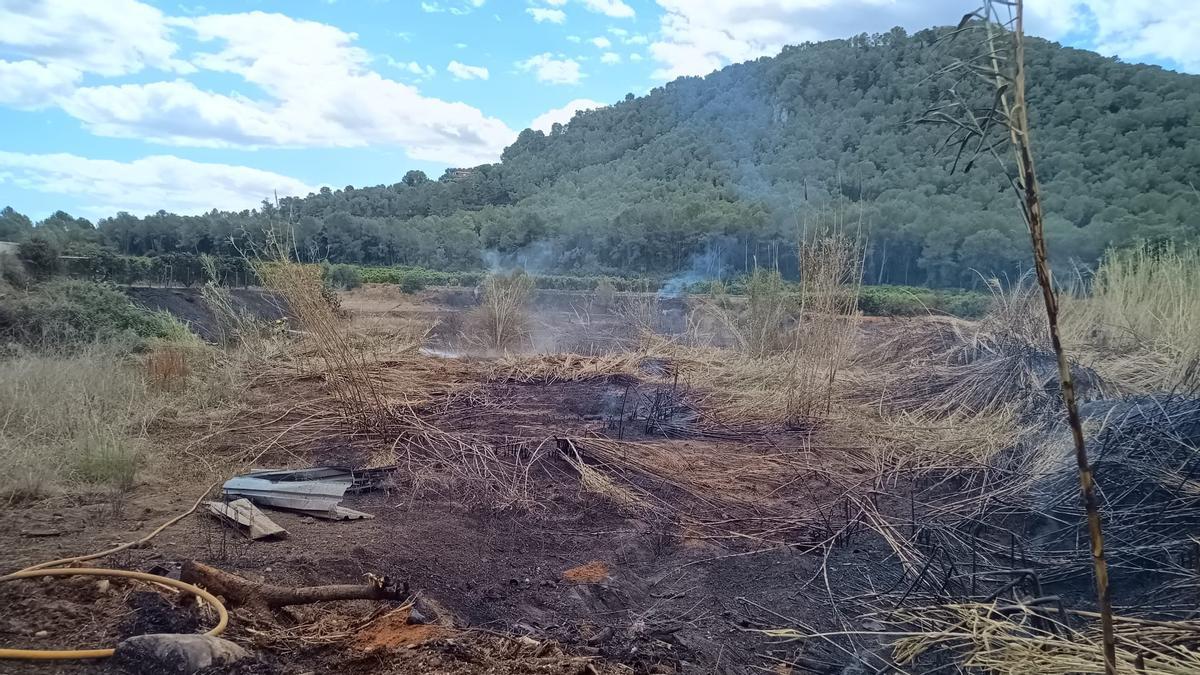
x=13 y=225
x=414 y=178
x=40 y=255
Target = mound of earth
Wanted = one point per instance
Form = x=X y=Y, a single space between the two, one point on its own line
x=188 y=305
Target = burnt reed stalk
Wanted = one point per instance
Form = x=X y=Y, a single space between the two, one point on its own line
x=978 y=132
x=1031 y=208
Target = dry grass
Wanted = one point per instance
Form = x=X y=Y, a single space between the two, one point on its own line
x=759 y=326
x=916 y=443
x=550 y=368
x=1020 y=639
x=71 y=420
x=501 y=321
x=346 y=366
x=234 y=326
x=1004 y=361
x=167 y=368
x=1142 y=314
x=831 y=266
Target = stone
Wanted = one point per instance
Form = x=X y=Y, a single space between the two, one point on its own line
x=172 y=653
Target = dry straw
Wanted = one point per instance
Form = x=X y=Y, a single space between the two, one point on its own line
x=347 y=368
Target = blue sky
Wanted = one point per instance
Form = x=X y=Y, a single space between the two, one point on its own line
x=131 y=105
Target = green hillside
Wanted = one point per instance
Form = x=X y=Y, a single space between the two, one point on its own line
x=735 y=163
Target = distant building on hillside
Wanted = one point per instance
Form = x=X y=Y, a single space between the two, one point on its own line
x=457 y=174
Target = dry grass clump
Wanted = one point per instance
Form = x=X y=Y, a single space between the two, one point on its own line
x=1002 y=361
x=643 y=316
x=68 y=420
x=914 y=443
x=1020 y=639
x=759 y=326
x=831 y=267
x=597 y=481
x=736 y=388
x=1143 y=314
x=551 y=368
x=167 y=368
x=234 y=326
x=346 y=367
x=502 y=319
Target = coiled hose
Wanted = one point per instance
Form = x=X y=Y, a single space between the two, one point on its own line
x=52 y=569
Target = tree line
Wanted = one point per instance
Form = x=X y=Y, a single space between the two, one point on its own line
x=718 y=175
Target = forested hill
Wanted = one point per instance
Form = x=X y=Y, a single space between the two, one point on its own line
x=736 y=162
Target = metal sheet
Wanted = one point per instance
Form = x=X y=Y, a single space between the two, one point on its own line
x=302 y=495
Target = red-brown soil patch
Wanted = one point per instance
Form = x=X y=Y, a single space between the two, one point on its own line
x=393 y=631
x=589 y=573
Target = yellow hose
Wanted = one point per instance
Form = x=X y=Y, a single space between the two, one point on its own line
x=64 y=654
x=40 y=570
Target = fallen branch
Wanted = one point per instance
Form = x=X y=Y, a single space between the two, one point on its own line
x=238 y=591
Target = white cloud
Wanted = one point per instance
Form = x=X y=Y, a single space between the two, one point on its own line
x=414 y=68
x=30 y=85
x=574 y=38
x=114 y=37
x=635 y=57
x=601 y=42
x=546 y=120
x=1134 y=30
x=614 y=8
x=541 y=14
x=318 y=90
x=459 y=7
x=637 y=40
x=551 y=70
x=555 y=3
x=619 y=32
x=462 y=71
x=610 y=58
x=145 y=185
x=699 y=37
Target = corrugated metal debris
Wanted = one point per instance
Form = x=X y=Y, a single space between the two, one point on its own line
x=317 y=491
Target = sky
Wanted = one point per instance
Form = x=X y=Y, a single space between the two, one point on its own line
x=129 y=105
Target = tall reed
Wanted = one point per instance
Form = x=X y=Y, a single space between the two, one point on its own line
x=831 y=268
x=501 y=320
x=348 y=368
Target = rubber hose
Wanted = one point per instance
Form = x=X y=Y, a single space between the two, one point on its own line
x=66 y=654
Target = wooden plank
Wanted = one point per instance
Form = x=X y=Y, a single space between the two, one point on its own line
x=246 y=515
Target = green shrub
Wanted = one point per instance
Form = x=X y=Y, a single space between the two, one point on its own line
x=13 y=272
x=69 y=313
x=41 y=256
x=345 y=277
x=915 y=301
x=412 y=283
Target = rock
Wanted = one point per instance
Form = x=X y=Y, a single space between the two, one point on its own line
x=416 y=617
x=171 y=653
x=41 y=633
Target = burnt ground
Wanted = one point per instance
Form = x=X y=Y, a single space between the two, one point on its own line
x=652 y=600
x=638 y=588
x=735 y=530
x=188 y=305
